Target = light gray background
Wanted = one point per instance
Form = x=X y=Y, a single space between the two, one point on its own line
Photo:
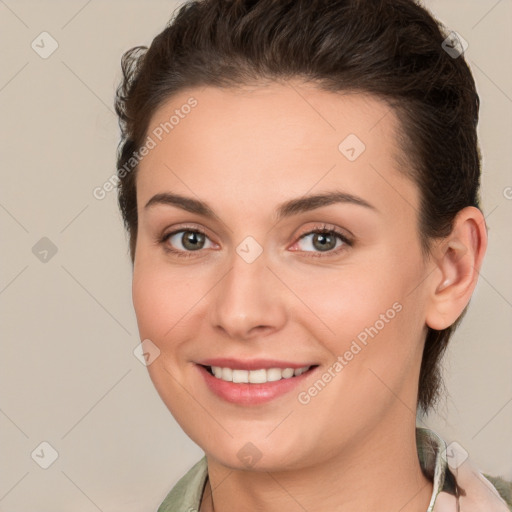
x=68 y=373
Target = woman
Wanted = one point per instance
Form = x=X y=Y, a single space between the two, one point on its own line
x=299 y=180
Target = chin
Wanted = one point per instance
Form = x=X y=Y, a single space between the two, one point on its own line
x=256 y=453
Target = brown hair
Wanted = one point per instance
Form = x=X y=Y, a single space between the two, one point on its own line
x=390 y=48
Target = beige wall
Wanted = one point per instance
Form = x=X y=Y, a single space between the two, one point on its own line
x=68 y=375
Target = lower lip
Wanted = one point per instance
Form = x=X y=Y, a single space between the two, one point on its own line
x=251 y=394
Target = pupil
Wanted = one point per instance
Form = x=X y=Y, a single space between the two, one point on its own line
x=324 y=239
x=194 y=239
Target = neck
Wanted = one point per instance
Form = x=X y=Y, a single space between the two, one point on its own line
x=379 y=472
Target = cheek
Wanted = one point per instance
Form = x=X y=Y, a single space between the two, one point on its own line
x=345 y=302
x=157 y=300
x=367 y=309
x=167 y=300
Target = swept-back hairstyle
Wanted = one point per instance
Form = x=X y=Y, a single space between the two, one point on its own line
x=392 y=49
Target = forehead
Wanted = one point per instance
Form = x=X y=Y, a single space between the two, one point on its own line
x=272 y=141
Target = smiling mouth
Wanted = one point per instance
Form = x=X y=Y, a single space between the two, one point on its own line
x=260 y=376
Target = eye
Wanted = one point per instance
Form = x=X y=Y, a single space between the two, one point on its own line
x=190 y=240
x=186 y=241
x=323 y=240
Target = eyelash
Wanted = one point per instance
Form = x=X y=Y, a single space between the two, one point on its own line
x=325 y=229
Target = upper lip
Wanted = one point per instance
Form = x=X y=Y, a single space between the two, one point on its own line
x=251 y=364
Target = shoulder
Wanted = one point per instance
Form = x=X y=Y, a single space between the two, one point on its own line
x=503 y=487
x=456 y=478
x=186 y=494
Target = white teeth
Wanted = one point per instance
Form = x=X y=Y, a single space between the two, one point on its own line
x=256 y=376
x=227 y=374
x=240 y=376
x=274 y=374
x=287 y=373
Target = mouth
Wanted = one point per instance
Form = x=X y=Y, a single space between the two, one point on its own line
x=253 y=383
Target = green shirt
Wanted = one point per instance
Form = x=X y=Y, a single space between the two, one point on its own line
x=441 y=464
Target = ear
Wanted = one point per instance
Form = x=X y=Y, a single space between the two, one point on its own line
x=457 y=259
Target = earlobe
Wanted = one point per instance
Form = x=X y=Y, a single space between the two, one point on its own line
x=458 y=259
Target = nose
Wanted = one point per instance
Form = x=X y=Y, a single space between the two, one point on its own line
x=249 y=301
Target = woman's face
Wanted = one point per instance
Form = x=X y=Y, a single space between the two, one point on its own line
x=257 y=289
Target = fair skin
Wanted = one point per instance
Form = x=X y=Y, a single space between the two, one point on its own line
x=244 y=152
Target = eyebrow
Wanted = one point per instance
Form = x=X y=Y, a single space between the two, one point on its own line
x=286 y=209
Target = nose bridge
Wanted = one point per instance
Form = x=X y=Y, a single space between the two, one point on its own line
x=246 y=297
